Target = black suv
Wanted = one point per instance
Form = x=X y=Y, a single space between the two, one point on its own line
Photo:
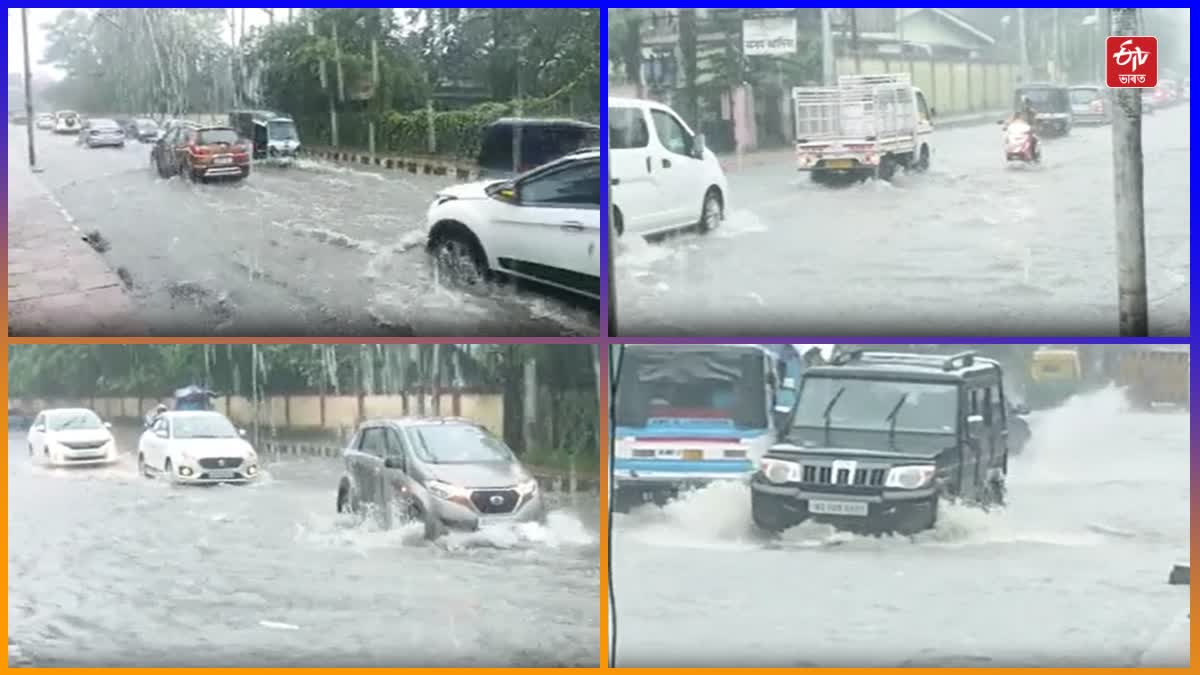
x=878 y=438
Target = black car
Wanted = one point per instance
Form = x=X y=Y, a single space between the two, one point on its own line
x=541 y=141
x=878 y=438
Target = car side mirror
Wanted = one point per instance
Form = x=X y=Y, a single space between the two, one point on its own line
x=1021 y=409
x=161 y=433
x=698 y=147
x=241 y=432
x=975 y=425
x=40 y=428
x=108 y=425
x=393 y=463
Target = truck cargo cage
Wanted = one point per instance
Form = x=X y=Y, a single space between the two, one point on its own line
x=866 y=107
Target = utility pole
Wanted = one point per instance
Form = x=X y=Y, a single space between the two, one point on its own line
x=612 y=254
x=688 y=38
x=1056 y=48
x=28 y=89
x=1025 y=74
x=826 y=47
x=854 y=41
x=1128 y=188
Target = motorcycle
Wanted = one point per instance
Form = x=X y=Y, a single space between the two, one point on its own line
x=1019 y=143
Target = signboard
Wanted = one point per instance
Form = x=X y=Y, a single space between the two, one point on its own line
x=768 y=36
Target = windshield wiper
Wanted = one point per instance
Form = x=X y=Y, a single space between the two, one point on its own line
x=828 y=414
x=891 y=417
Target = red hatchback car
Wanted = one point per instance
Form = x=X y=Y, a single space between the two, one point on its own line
x=201 y=152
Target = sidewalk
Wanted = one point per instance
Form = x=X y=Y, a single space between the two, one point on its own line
x=786 y=154
x=57 y=284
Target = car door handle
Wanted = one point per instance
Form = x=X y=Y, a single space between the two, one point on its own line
x=616 y=181
x=572 y=226
x=648 y=170
x=666 y=163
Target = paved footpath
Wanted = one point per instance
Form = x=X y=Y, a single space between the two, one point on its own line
x=57 y=284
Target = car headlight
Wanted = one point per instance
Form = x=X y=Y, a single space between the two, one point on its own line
x=528 y=487
x=779 y=471
x=910 y=477
x=446 y=490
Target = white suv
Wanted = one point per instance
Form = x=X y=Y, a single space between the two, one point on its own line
x=663 y=178
x=543 y=226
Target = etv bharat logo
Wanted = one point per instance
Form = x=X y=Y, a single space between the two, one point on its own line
x=1132 y=61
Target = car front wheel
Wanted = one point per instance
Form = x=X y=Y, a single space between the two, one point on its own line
x=458 y=259
x=711 y=212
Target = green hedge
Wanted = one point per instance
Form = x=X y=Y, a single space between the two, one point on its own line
x=457 y=133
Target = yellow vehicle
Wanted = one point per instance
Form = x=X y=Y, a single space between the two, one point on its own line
x=1155 y=375
x=1054 y=376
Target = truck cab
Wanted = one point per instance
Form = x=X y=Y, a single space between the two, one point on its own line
x=878 y=438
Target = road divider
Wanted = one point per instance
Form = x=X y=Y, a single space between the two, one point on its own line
x=429 y=166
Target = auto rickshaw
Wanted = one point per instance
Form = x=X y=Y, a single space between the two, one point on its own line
x=1054 y=376
x=1051 y=102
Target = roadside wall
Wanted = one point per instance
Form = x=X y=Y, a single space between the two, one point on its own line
x=306 y=412
x=953 y=87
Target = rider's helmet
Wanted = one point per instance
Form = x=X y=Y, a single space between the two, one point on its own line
x=160 y=408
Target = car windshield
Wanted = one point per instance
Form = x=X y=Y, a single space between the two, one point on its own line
x=203 y=426
x=145 y=124
x=721 y=385
x=459 y=444
x=104 y=124
x=282 y=131
x=73 y=419
x=930 y=407
x=217 y=137
x=1084 y=96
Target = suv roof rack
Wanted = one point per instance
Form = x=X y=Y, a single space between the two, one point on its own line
x=945 y=363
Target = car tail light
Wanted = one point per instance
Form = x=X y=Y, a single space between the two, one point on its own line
x=197 y=149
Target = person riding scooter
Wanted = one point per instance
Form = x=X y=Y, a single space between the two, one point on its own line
x=1028 y=115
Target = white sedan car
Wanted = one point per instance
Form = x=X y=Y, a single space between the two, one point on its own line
x=196 y=447
x=542 y=226
x=71 y=437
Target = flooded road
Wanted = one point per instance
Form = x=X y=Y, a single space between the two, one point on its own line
x=313 y=249
x=107 y=568
x=971 y=248
x=1072 y=573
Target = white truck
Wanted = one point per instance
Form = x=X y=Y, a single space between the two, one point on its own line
x=866 y=126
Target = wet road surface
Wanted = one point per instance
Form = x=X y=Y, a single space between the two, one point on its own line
x=971 y=248
x=110 y=569
x=314 y=249
x=1072 y=573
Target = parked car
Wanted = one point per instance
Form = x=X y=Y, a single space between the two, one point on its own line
x=442 y=472
x=1090 y=104
x=196 y=447
x=542 y=226
x=71 y=437
x=102 y=132
x=143 y=129
x=17 y=117
x=665 y=180
x=66 y=122
x=541 y=142
x=45 y=121
x=201 y=152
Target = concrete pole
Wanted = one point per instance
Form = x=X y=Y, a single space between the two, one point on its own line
x=826 y=47
x=29 y=121
x=1025 y=74
x=1128 y=189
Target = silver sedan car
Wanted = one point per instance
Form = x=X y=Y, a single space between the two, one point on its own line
x=102 y=132
x=447 y=473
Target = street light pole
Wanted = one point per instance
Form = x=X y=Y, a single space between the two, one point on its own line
x=28 y=88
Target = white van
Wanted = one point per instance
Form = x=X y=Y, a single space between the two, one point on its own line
x=663 y=178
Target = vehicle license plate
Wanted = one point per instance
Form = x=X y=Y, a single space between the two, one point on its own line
x=223 y=159
x=693 y=455
x=221 y=474
x=666 y=452
x=840 y=164
x=828 y=508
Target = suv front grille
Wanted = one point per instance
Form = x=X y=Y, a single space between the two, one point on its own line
x=486 y=501
x=816 y=473
x=220 y=462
